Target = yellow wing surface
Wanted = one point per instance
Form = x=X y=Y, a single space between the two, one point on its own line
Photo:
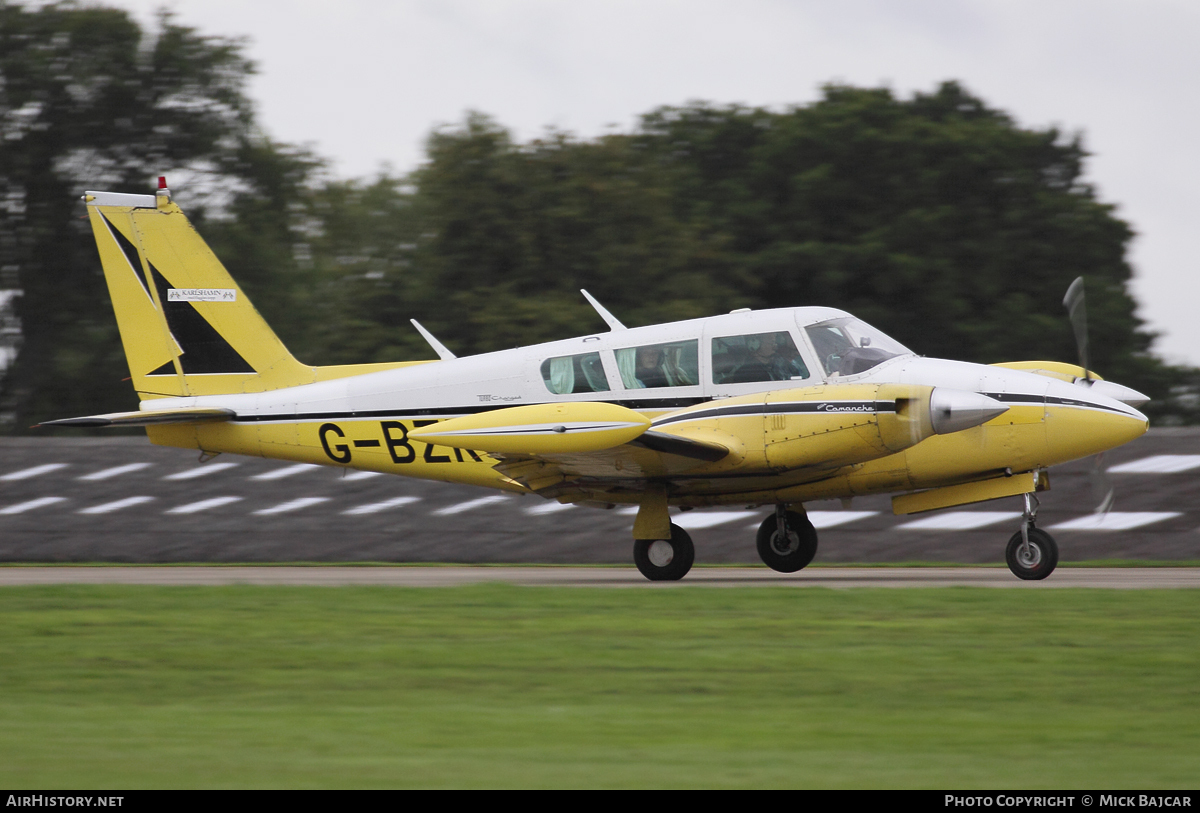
x=762 y=442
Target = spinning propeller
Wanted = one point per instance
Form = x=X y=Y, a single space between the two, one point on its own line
x=1103 y=492
x=1077 y=313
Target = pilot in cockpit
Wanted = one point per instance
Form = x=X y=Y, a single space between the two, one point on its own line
x=767 y=357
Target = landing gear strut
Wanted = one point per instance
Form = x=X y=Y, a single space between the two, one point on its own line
x=1032 y=554
x=787 y=541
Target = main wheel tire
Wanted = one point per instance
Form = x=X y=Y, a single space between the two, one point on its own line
x=790 y=553
x=1036 y=563
x=665 y=560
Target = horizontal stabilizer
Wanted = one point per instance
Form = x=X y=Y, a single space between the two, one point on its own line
x=153 y=417
x=570 y=428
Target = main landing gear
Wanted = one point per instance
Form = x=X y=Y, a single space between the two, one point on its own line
x=787 y=541
x=1032 y=554
x=665 y=560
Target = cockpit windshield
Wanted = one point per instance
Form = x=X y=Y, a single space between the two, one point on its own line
x=847 y=345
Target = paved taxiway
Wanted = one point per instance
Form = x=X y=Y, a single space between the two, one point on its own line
x=449 y=576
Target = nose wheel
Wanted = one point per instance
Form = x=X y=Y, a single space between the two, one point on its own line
x=787 y=541
x=1033 y=560
x=1032 y=554
x=662 y=560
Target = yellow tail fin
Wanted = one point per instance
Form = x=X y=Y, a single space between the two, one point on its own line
x=186 y=326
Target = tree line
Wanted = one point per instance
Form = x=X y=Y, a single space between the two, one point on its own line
x=937 y=218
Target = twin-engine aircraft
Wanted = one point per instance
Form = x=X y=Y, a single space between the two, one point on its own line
x=775 y=407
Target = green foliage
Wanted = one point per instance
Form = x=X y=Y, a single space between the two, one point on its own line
x=89 y=100
x=936 y=218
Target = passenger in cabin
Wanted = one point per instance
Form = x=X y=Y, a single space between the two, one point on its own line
x=650 y=370
x=674 y=364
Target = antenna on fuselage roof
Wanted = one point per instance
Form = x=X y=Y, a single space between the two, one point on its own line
x=443 y=352
x=613 y=322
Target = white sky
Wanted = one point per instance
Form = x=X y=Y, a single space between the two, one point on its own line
x=364 y=81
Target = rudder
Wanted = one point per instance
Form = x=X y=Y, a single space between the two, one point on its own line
x=186 y=326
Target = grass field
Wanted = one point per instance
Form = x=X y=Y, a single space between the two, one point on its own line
x=498 y=686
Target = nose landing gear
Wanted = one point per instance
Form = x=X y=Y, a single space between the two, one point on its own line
x=1032 y=554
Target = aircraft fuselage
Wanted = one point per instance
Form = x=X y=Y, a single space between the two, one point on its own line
x=364 y=421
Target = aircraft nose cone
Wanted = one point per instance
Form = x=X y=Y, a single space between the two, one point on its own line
x=956 y=410
x=1072 y=433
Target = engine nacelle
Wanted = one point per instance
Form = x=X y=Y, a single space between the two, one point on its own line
x=838 y=425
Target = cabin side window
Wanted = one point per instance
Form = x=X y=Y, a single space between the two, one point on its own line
x=756 y=357
x=673 y=364
x=568 y=374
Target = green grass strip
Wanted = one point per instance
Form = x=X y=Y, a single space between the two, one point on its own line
x=502 y=686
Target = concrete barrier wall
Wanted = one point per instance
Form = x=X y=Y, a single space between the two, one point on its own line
x=122 y=499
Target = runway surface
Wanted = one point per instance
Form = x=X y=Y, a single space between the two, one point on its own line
x=450 y=576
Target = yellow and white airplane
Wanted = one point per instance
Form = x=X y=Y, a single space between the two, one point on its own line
x=774 y=407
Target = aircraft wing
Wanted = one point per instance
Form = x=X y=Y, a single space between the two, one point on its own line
x=633 y=462
x=546 y=446
x=708 y=451
x=798 y=434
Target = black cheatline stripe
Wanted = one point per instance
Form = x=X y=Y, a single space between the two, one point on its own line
x=1026 y=399
x=647 y=404
x=791 y=407
x=1052 y=400
x=720 y=411
x=1015 y=398
x=418 y=414
x=492 y=432
x=714 y=412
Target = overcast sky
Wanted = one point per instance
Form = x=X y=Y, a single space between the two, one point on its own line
x=364 y=81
